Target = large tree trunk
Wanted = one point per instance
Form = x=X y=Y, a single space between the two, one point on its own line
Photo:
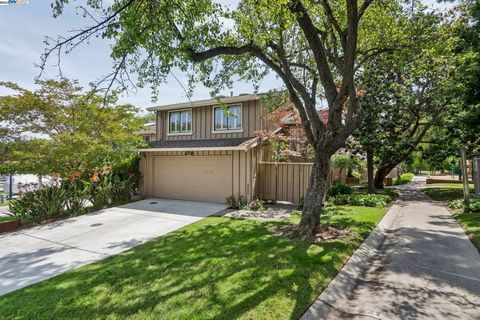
x=314 y=199
x=370 y=173
x=382 y=171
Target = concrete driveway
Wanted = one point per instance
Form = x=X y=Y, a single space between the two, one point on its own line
x=42 y=252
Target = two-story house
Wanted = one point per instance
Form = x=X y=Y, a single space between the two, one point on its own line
x=205 y=150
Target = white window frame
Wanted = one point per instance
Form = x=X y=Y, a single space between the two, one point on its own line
x=214 y=130
x=179 y=133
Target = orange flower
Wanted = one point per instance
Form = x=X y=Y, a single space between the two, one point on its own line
x=75 y=175
x=94 y=177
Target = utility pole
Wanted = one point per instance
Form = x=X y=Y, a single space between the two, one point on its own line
x=466 y=190
x=10 y=187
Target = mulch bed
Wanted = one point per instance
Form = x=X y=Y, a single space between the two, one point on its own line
x=325 y=232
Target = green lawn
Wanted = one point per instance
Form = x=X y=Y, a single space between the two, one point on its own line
x=444 y=193
x=217 y=268
x=448 y=185
x=471 y=223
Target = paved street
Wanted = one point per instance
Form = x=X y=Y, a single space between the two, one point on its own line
x=3 y=210
x=418 y=264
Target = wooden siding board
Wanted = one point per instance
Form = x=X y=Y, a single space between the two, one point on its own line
x=283 y=181
x=253 y=119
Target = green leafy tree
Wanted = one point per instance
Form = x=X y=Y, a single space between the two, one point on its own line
x=59 y=128
x=316 y=48
x=408 y=92
x=345 y=162
x=464 y=122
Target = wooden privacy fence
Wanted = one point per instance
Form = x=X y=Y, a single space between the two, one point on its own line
x=286 y=181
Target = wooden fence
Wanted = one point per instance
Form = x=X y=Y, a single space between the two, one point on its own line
x=286 y=181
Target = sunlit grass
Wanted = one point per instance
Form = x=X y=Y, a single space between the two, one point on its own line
x=217 y=268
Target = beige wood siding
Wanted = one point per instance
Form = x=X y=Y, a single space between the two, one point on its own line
x=202 y=175
x=253 y=119
x=286 y=181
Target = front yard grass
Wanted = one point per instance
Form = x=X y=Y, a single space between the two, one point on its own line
x=217 y=268
x=444 y=193
x=471 y=223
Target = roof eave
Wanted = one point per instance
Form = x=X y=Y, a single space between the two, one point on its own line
x=245 y=146
x=194 y=149
x=208 y=102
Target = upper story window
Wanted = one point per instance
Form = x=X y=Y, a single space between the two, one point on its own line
x=229 y=118
x=180 y=121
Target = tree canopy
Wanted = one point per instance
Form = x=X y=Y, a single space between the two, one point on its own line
x=410 y=91
x=59 y=128
x=378 y=59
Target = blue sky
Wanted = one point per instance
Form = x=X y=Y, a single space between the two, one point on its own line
x=23 y=28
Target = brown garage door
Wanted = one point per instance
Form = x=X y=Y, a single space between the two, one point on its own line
x=193 y=178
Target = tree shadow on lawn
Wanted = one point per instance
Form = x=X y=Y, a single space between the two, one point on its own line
x=218 y=268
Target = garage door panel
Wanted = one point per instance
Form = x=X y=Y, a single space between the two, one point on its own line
x=193 y=178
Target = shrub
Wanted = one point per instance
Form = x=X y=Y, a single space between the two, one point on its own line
x=233 y=203
x=365 y=200
x=41 y=203
x=339 y=188
x=404 y=178
x=301 y=202
x=474 y=205
x=456 y=204
x=102 y=187
x=77 y=191
x=255 y=205
x=357 y=175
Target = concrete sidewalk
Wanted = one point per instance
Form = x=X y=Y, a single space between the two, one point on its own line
x=32 y=255
x=417 y=264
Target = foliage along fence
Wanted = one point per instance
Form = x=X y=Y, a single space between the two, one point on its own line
x=287 y=181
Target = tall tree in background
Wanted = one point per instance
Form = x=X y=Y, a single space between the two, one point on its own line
x=464 y=122
x=58 y=128
x=315 y=47
x=409 y=91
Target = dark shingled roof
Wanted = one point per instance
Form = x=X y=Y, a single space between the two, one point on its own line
x=206 y=143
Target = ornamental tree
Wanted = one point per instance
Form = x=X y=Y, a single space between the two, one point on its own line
x=316 y=47
x=59 y=128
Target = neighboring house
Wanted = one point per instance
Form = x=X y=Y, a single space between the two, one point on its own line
x=204 y=150
x=149 y=132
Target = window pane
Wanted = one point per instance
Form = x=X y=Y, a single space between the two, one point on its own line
x=235 y=120
x=189 y=121
x=183 y=121
x=174 y=122
x=218 y=118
